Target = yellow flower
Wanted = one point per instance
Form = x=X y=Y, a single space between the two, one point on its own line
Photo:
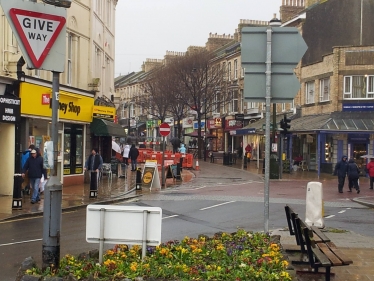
x=133 y=266
x=110 y=253
x=284 y=263
x=220 y=247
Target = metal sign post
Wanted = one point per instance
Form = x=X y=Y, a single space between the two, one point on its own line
x=164 y=131
x=271 y=72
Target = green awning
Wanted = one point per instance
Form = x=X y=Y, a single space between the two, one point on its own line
x=105 y=128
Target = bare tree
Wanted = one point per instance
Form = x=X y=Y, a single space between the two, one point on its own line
x=202 y=85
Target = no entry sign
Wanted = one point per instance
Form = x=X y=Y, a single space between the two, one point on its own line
x=164 y=129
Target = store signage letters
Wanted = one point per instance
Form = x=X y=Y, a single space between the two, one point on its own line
x=61 y=105
x=9 y=110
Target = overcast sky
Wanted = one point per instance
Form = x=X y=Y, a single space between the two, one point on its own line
x=149 y=28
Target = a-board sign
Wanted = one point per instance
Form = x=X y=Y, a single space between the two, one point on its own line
x=150 y=177
x=123 y=224
x=173 y=172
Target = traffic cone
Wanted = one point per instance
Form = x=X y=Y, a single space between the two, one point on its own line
x=197 y=165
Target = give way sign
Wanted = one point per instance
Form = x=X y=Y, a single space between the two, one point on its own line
x=40 y=32
x=37 y=31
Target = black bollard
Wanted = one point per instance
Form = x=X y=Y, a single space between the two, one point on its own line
x=245 y=161
x=17 y=192
x=93 y=185
x=138 y=179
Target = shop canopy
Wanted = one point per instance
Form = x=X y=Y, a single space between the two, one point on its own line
x=105 y=128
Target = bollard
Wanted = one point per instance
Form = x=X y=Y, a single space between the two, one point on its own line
x=93 y=184
x=245 y=161
x=17 y=192
x=138 y=179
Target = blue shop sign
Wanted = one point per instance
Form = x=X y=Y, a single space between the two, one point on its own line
x=248 y=131
x=358 y=106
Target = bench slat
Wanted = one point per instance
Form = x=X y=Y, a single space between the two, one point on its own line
x=339 y=253
x=320 y=234
x=331 y=256
x=323 y=260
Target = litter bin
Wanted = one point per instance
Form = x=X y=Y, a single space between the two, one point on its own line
x=274 y=168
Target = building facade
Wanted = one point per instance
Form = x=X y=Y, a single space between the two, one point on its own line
x=88 y=77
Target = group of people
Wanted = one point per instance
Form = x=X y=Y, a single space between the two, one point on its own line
x=131 y=153
x=349 y=168
x=33 y=171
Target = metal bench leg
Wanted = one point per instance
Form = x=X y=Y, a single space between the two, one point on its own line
x=327 y=276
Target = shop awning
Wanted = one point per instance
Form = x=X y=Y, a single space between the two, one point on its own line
x=105 y=128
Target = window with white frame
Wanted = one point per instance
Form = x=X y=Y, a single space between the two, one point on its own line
x=359 y=87
x=309 y=92
x=229 y=71
x=324 y=90
x=97 y=62
x=234 y=104
x=292 y=104
x=69 y=68
x=216 y=102
x=243 y=71
x=242 y=101
x=224 y=70
x=235 y=69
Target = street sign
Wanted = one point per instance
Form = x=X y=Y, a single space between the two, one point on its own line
x=287 y=49
x=40 y=32
x=164 y=129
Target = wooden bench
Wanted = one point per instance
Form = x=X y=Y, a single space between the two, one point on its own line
x=314 y=245
x=215 y=155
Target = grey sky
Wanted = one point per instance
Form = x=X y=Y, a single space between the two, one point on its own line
x=149 y=28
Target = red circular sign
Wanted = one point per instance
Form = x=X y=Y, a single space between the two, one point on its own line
x=164 y=129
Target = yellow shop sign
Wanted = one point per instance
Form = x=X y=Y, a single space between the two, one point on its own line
x=37 y=100
x=103 y=112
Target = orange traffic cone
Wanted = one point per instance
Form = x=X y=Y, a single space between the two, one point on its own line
x=197 y=165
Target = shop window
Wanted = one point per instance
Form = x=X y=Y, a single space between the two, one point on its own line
x=309 y=92
x=73 y=149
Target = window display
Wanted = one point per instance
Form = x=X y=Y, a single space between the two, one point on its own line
x=73 y=149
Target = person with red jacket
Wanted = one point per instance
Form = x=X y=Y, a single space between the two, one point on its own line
x=370 y=170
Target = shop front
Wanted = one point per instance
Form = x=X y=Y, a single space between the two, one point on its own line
x=9 y=120
x=215 y=127
x=234 y=142
x=75 y=112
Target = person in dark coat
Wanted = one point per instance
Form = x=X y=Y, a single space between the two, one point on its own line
x=133 y=155
x=353 y=175
x=175 y=142
x=35 y=169
x=94 y=163
x=341 y=169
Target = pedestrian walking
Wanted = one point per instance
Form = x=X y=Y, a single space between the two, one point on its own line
x=125 y=154
x=370 y=170
x=26 y=181
x=93 y=164
x=340 y=170
x=248 y=152
x=133 y=155
x=34 y=168
x=353 y=175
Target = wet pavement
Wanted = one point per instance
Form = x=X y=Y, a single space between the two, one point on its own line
x=292 y=187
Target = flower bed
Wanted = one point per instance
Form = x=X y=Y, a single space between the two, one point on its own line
x=239 y=256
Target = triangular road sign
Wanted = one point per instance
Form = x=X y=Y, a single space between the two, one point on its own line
x=38 y=32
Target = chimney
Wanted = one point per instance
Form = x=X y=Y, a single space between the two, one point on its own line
x=291 y=8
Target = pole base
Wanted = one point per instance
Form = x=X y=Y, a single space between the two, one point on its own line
x=93 y=193
x=17 y=204
x=138 y=186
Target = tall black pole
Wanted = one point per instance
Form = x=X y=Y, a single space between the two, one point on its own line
x=52 y=193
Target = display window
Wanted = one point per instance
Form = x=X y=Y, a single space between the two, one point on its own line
x=73 y=149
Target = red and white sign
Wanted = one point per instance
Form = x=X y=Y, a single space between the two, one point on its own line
x=38 y=32
x=164 y=129
x=46 y=99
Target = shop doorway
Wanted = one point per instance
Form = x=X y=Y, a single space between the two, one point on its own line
x=358 y=150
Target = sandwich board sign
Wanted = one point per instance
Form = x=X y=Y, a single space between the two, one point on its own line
x=40 y=32
x=150 y=177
